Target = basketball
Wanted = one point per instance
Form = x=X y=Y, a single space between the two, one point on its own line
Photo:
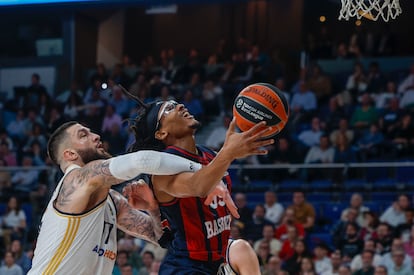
x=258 y=102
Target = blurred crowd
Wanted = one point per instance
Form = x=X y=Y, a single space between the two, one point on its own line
x=366 y=117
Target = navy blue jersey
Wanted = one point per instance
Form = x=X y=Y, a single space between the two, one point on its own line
x=200 y=232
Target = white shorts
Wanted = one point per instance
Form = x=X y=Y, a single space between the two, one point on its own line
x=226 y=268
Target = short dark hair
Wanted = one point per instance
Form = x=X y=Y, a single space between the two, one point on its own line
x=56 y=138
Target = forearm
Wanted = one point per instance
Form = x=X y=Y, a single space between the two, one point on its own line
x=129 y=166
x=208 y=177
x=138 y=224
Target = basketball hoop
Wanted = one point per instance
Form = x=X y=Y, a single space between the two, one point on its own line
x=370 y=9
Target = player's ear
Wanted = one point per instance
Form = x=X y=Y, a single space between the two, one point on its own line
x=161 y=134
x=70 y=155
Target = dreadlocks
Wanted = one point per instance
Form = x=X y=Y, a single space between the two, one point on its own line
x=144 y=125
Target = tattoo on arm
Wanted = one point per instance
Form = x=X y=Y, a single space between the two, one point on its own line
x=133 y=221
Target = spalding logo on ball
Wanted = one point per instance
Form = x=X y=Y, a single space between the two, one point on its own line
x=261 y=101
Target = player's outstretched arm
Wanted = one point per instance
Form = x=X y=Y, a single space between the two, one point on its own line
x=237 y=145
x=135 y=222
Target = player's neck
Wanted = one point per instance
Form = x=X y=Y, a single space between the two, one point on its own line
x=186 y=143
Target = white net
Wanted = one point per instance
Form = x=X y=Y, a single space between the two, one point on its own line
x=371 y=9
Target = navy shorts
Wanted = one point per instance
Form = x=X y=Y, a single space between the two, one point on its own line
x=173 y=264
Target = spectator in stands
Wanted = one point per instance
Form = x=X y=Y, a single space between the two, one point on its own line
x=384 y=97
x=323 y=153
x=294 y=256
x=5 y=180
x=122 y=258
x=236 y=229
x=342 y=51
x=307 y=267
x=268 y=237
x=119 y=75
x=111 y=118
x=288 y=244
x=5 y=138
x=244 y=211
x=25 y=181
x=264 y=254
x=273 y=267
x=289 y=219
x=399 y=266
x=274 y=210
x=128 y=269
x=33 y=117
x=216 y=137
x=311 y=137
x=380 y=270
x=195 y=85
x=365 y=114
x=409 y=244
x=343 y=154
x=383 y=238
x=193 y=105
x=8 y=156
x=304 y=211
x=21 y=258
x=343 y=128
x=350 y=244
x=321 y=259
x=127 y=243
x=408 y=83
x=54 y=119
x=140 y=83
x=375 y=79
x=369 y=225
x=212 y=98
x=281 y=85
x=74 y=107
x=333 y=114
x=303 y=104
x=17 y=127
x=403 y=230
x=344 y=270
x=402 y=136
x=367 y=257
x=13 y=221
x=255 y=228
x=335 y=264
x=281 y=153
x=394 y=214
x=388 y=259
x=356 y=263
x=356 y=202
x=116 y=140
x=370 y=144
x=10 y=267
x=407 y=100
x=391 y=117
x=34 y=92
x=35 y=135
x=100 y=74
x=165 y=94
x=74 y=89
x=320 y=84
x=357 y=81
x=338 y=231
x=147 y=260
x=120 y=103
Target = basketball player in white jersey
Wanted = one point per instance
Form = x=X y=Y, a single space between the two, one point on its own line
x=78 y=230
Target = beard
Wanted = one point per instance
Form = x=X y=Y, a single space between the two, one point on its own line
x=196 y=125
x=90 y=154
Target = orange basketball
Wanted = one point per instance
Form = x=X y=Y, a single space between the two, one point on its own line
x=261 y=101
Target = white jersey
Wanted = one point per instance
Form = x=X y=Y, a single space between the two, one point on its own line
x=76 y=244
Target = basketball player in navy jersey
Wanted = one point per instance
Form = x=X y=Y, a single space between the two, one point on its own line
x=201 y=232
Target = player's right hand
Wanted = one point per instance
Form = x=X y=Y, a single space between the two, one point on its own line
x=250 y=142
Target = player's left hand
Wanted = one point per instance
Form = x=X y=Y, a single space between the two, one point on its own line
x=221 y=191
x=140 y=195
